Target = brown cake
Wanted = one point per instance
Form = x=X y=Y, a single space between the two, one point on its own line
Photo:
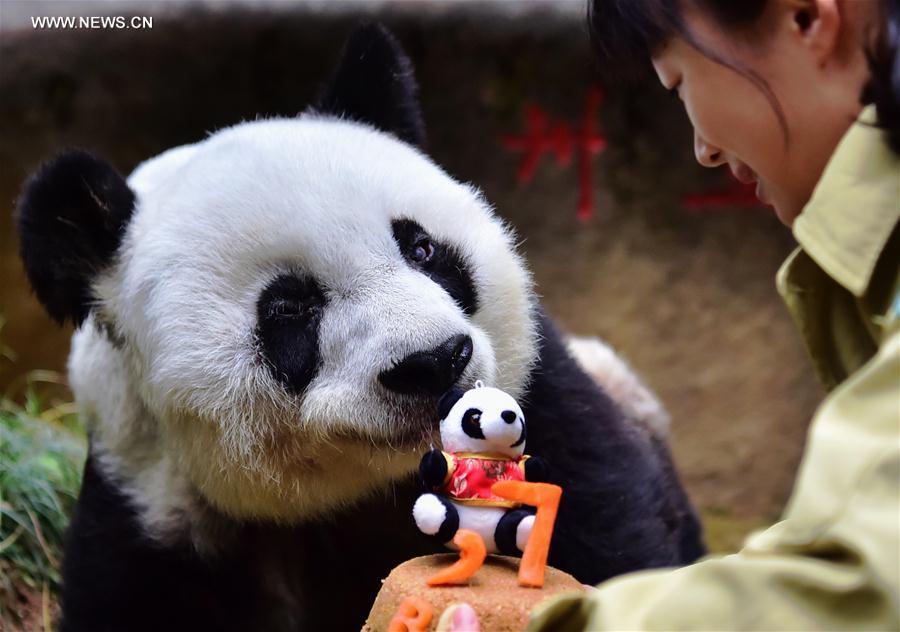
x=502 y=605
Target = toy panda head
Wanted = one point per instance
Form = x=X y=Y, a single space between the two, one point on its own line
x=482 y=419
x=268 y=316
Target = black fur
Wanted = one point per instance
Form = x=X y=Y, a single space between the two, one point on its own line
x=320 y=575
x=433 y=469
x=622 y=507
x=374 y=84
x=471 y=423
x=71 y=218
x=446 y=266
x=505 y=531
x=115 y=579
x=288 y=314
x=536 y=470
x=451 y=522
x=447 y=400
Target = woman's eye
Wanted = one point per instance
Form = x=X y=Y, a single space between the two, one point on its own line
x=423 y=251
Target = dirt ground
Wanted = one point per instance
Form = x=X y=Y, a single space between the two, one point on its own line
x=687 y=296
x=28 y=610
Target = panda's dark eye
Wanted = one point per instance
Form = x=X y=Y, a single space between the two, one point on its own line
x=423 y=251
x=439 y=261
x=415 y=244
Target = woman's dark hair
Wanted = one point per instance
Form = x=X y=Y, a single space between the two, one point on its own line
x=626 y=33
x=883 y=89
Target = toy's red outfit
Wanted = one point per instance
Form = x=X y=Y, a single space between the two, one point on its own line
x=470 y=476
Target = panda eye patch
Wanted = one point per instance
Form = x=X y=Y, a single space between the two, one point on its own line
x=415 y=244
x=471 y=423
x=289 y=310
x=442 y=263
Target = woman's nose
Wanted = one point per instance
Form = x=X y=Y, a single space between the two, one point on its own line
x=707 y=155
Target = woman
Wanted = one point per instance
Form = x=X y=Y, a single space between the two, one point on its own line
x=777 y=90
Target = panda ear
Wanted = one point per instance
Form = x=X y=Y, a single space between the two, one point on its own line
x=374 y=84
x=447 y=400
x=71 y=217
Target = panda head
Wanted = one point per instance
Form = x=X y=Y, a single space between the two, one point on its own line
x=269 y=315
x=482 y=419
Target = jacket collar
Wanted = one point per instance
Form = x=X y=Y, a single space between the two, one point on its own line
x=854 y=208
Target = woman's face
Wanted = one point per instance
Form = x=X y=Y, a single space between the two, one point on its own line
x=735 y=124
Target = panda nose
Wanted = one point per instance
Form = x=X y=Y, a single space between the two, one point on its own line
x=431 y=372
x=509 y=416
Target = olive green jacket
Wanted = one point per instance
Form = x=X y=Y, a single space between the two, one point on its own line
x=833 y=561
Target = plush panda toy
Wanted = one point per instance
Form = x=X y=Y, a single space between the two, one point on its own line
x=265 y=320
x=483 y=436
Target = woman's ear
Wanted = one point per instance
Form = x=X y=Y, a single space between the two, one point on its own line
x=818 y=23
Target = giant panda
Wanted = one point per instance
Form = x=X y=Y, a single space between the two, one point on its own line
x=265 y=321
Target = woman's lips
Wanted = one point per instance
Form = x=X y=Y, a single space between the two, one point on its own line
x=744 y=174
x=761 y=194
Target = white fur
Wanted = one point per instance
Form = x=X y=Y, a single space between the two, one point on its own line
x=621 y=382
x=481 y=520
x=429 y=514
x=499 y=436
x=184 y=410
x=523 y=532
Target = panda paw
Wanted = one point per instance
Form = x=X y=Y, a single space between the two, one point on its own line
x=429 y=513
x=523 y=532
x=513 y=530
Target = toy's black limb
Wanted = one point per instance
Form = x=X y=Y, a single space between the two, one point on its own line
x=451 y=522
x=433 y=469
x=505 y=532
x=536 y=470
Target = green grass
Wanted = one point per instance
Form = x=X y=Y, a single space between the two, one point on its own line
x=42 y=451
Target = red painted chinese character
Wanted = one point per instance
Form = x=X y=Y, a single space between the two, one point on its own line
x=561 y=141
